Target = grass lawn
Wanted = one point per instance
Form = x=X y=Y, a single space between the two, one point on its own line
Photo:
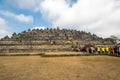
x=59 y=68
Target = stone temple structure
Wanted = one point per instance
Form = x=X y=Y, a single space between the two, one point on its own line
x=46 y=40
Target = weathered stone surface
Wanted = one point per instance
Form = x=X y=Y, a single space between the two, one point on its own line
x=35 y=39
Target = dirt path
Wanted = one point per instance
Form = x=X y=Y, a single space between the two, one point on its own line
x=59 y=68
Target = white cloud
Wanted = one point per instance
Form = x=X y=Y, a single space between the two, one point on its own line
x=39 y=27
x=26 y=4
x=3 y=28
x=97 y=16
x=20 y=17
x=2 y=21
x=24 y=18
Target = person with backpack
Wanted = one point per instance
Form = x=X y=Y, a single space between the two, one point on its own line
x=111 y=49
x=98 y=49
x=106 y=49
x=119 y=50
x=116 y=50
x=103 y=50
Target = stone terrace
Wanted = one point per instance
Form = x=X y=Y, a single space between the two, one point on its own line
x=46 y=40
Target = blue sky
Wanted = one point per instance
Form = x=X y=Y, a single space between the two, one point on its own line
x=96 y=16
x=16 y=25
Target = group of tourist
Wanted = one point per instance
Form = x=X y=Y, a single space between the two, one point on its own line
x=104 y=49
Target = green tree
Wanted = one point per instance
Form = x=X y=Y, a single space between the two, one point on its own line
x=112 y=39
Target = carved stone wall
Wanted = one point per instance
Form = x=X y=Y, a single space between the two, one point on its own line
x=35 y=40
